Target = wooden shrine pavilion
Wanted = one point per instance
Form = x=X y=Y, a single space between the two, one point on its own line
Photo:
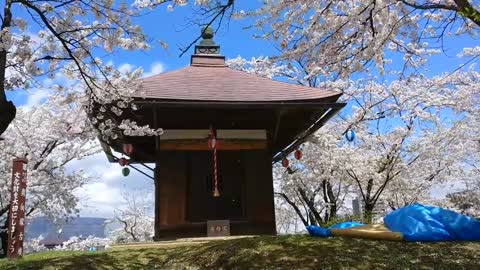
x=255 y=122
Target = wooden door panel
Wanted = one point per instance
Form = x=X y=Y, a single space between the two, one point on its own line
x=202 y=205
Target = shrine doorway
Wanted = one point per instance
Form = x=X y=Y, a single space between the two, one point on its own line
x=201 y=204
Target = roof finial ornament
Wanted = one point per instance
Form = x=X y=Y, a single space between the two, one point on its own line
x=207 y=32
x=207 y=45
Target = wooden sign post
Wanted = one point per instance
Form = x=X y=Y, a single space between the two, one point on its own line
x=16 y=218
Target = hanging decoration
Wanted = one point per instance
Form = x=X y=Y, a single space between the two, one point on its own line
x=213 y=143
x=350 y=135
x=298 y=154
x=127 y=149
x=123 y=161
x=285 y=162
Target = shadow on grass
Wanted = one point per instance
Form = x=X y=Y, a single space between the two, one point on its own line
x=290 y=252
x=303 y=252
x=80 y=261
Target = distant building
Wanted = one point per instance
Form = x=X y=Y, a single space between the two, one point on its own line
x=379 y=211
x=357 y=207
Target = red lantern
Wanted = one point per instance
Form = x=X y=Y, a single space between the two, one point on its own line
x=122 y=161
x=285 y=162
x=298 y=154
x=127 y=148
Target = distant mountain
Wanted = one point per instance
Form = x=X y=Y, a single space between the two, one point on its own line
x=55 y=235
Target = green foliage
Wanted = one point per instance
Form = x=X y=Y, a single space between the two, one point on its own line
x=470 y=12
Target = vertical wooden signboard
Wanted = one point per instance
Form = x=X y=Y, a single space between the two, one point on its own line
x=16 y=219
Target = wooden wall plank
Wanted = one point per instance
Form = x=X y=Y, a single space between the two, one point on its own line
x=260 y=204
x=173 y=181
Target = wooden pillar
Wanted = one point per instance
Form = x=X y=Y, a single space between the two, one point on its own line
x=157 y=202
x=156 y=230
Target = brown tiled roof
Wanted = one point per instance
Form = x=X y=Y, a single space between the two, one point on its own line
x=221 y=83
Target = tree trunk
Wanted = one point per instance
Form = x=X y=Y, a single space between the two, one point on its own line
x=332 y=201
x=295 y=207
x=313 y=220
x=368 y=212
x=7 y=108
x=7 y=114
x=310 y=202
x=4 y=237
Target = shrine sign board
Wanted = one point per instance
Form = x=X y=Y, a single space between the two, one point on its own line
x=16 y=219
x=218 y=228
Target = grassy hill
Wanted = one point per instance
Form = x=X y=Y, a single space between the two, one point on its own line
x=284 y=252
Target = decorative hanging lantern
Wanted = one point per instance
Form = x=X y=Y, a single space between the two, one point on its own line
x=350 y=135
x=123 y=161
x=127 y=149
x=285 y=162
x=125 y=171
x=298 y=154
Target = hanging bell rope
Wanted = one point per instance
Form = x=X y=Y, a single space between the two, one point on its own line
x=213 y=143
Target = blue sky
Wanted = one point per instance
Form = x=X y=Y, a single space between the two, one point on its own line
x=100 y=197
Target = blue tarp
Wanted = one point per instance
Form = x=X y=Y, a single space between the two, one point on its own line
x=420 y=223
x=426 y=223
x=325 y=232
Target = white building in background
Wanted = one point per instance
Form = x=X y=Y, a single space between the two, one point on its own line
x=357 y=209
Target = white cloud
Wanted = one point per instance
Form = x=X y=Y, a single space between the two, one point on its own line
x=37 y=97
x=155 y=69
x=126 y=67
x=58 y=78
x=103 y=195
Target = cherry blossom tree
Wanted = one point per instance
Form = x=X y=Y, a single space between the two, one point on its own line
x=316 y=185
x=412 y=135
x=334 y=39
x=136 y=223
x=63 y=39
x=413 y=132
x=286 y=219
x=39 y=39
x=466 y=202
x=50 y=135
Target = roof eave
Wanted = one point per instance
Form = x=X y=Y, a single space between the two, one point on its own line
x=307 y=133
x=324 y=102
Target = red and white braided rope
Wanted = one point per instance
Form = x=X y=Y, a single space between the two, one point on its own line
x=213 y=143
x=215 y=171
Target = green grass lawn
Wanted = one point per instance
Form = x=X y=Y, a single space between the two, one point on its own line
x=283 y=252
